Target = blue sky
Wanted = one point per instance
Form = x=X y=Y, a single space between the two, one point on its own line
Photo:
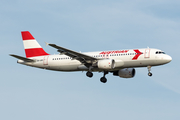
x=33 y=94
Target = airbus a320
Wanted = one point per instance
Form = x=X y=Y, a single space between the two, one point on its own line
x=120 y=63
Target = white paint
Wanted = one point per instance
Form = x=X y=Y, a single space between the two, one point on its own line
x=28 y=44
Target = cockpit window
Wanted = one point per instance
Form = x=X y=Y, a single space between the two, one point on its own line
x=160 y=52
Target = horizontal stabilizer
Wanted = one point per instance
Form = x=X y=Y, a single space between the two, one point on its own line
x=22 y=58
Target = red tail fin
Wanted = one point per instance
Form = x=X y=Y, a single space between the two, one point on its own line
x=31 y=46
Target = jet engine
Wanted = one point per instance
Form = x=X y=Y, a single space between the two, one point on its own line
x=106 y=64
x=125 y=73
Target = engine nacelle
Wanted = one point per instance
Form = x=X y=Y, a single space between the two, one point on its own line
x=125 y=73
x=106 y=64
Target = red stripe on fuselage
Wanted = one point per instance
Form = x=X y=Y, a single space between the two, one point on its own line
x=138 y=53
x=26 y=35
x=35 y=52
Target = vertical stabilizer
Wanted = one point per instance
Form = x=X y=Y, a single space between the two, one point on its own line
x=31 y=46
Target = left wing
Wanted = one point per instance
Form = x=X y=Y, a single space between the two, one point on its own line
x=22 y=58
x=83 y=58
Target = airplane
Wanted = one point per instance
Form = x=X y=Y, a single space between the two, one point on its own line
x=120 y=63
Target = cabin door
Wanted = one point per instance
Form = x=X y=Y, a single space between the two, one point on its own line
x=147 y=53
x=45 y=60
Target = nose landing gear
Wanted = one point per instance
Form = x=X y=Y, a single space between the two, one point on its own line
x=150 y=74
x=149 y=71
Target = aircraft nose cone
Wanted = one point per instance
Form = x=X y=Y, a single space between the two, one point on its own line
x=168 y=58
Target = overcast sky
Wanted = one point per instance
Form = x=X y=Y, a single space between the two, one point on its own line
x=28 y=93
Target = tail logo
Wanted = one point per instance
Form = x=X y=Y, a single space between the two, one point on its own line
x=31 y=46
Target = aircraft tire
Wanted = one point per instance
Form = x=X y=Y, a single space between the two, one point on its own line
x=103 y=80
x=89 y=74
x=150 y=74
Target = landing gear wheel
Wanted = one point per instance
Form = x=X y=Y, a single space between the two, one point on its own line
x=89 y=74
x=150 y=74
x=149 y=71
x=103 y=80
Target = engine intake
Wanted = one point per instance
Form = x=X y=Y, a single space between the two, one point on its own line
x=106 y=64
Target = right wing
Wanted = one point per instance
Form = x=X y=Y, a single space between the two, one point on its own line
x=22 y=58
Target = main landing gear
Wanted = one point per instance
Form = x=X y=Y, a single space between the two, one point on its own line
x=89 y=74
x=149 y=71
x=103 y=79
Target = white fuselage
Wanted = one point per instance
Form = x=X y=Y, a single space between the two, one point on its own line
x=123 y=59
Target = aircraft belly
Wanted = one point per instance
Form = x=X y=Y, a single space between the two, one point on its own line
x=68 y=68
x=65 y=66
x=139 y=63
